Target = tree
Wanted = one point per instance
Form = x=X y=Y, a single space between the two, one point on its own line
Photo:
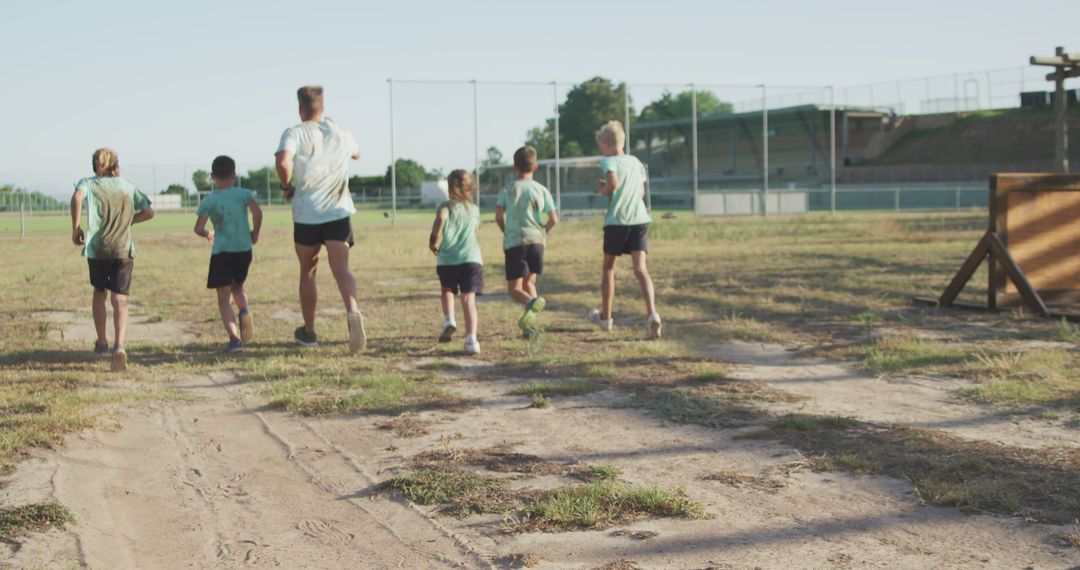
x=201 y=180
x=588 y=106
x=494 y=157
x=681 y=106
x=177 y=189
x=409 y=173
x=260 y=180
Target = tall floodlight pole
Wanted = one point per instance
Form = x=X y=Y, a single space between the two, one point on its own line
x=476 y=137
x=393 y=160
x=626 y=116
x=764 y=147
x=1066 y=65
x=558 y=173
x=832 y=149
x=694 y=141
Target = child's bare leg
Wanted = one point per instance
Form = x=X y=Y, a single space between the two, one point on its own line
x=468 y=306
x=101 y=315
x=239 y=295
x=607 y=287
x=529 y=285
x=641 y=271
x=447 y=299
x=309 y=293
x=338 y=252
x=516 y=289
x=227 y=317
x=120 y=317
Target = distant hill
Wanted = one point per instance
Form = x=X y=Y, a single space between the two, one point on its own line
x=981 y=137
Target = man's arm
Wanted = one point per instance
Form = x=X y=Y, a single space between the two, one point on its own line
x=143 y=215
x=437 y=228
x=201 y=231
x=283 y=163
x=256 y=220
x=500 y=218
x=78 y=237
x=608 y=184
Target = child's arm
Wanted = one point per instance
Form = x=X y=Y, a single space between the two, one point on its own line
x=201 y=231
x=78 y=236
x=436 y=229
x=553 y=220
x=608 y=184
x=256 y=220
x=143 y=215
x=500 y=218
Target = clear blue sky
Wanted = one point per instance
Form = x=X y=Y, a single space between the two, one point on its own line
x=177 y=83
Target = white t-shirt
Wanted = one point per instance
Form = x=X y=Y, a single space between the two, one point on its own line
x=321 y=154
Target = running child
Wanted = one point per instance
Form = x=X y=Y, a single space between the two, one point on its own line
x=113 y=205
x=459 y=263
x=518 y=212
x=626 y=225
x=232 y=238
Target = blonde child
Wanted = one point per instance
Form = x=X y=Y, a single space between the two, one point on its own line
x=518 y=212
x=459 y=264
x=626 y=225
x=113 y=205
x=232 y=238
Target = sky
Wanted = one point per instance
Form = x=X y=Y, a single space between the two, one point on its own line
x=171 y=85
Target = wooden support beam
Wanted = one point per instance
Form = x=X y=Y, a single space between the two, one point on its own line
x=966 y=271
x=1027 y=292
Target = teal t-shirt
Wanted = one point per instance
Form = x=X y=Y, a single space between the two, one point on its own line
x=459 y=244
x=227 y=210
x=627 y=207
x=111 y=203
x=524 y=202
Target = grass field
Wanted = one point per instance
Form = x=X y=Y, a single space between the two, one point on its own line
x=830 y=286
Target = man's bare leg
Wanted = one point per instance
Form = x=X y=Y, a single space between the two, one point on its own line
x=308 y=255
x=338 y=251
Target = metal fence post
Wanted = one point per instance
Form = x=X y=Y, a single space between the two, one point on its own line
x=896 y=192
x=958 y=198
x=476 y=137
x=22 y=220
x=393 y=160
x=626 y=116
x=764 y=147
x=558 y=172
x=694 y=140
x=832 y=149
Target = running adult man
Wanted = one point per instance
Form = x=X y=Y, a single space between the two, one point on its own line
x=314 y=156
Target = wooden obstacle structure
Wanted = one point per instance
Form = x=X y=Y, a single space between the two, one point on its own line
x=1032 y=244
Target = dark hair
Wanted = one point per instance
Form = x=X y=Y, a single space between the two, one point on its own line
x=310 y=98
x=223 y=167
x=525 y=159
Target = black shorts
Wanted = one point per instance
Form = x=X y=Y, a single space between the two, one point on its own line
x=463 y=278
x=318 y=234
x=626 y=239
x=111 y=274
x=523 y=260
x=227 y=268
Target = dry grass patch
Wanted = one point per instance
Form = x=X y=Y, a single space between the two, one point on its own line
x=945 y=470
x=565 y=388
x=621 y=564
x=35 y=517
x=746 y=481
x=1046 y=377
x=385 y=392
x=496 y=459
x=406 y=425
x=520 y=560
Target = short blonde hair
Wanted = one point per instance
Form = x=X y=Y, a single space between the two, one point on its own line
x=310 y=98
x=106 y=162
x=612 y=132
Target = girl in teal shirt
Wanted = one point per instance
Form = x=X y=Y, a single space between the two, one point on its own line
x=458 y=261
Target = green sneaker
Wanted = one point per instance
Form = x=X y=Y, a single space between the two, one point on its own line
x=305 y=338
x=528 y=318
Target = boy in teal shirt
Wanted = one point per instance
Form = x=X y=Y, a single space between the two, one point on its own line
x=518 y=212
x=458 y=261
x=232 y=238
x=626 y=225
x=113 y=205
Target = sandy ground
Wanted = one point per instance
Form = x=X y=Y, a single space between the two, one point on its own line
x=216 y=481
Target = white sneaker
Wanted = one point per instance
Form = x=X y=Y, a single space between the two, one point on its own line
x=357 y=334
x=449 y=328
x=654 y=326
x=605 y=325
x=472 y=346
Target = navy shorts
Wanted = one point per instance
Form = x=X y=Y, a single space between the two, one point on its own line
x=626 y=239
x=463 y=278
x=111 y=274
x=524 y=260
x=318 y=234
x=227 y=268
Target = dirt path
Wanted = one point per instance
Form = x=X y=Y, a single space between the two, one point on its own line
x=216 y=483
x=833 y=388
